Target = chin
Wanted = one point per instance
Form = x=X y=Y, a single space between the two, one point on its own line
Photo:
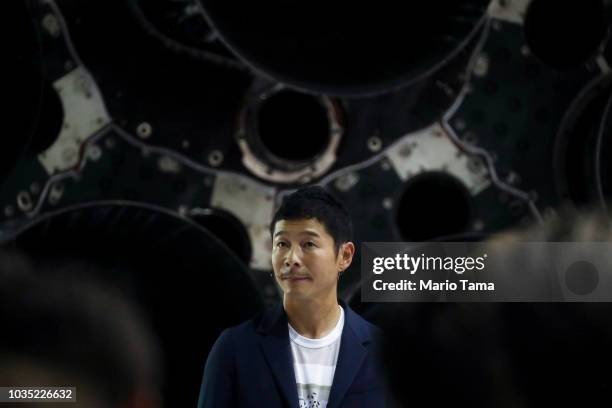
x=298 y=294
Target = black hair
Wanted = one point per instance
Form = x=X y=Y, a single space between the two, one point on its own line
x=316 y=202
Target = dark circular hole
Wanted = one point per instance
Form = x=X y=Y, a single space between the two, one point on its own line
x=564 y=34
x=293 y=126
x=432 y=205
x=227 y=229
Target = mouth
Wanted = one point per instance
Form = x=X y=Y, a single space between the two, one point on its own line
x=296 y=278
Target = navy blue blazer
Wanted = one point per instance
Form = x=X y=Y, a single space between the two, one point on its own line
x=251 y=365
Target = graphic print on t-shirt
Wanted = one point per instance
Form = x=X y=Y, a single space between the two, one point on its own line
x=314 y=364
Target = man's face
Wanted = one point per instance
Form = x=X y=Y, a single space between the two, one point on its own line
x=304 y=259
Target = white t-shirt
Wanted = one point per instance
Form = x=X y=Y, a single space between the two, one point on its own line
x=314 y=364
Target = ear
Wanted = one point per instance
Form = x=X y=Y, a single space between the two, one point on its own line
x=345 y=256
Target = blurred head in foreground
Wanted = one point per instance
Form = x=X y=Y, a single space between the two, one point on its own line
x=62 y=330
x=505 y=354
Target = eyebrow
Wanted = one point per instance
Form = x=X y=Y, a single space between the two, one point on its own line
x=311 y=233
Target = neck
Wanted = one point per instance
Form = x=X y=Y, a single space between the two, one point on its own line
x=312 y=318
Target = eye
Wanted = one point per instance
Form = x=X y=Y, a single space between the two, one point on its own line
x=280 y=244
x=310 y=244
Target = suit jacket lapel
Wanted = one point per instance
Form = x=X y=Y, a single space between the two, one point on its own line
x=350 y=359
x=277 y=351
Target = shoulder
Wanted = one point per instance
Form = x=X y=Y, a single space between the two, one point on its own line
x=231 y=341
x=238 y=334
x=361 y=326
x=238 y=331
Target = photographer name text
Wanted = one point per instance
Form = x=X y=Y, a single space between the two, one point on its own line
x=431 y=285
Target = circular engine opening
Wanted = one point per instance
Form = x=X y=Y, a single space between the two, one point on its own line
x=564 y=34
x=292 y=127
x=432 y=205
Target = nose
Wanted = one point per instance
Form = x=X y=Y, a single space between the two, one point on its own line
x=292 y=258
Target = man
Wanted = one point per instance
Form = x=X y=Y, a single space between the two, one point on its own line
x=310 y=351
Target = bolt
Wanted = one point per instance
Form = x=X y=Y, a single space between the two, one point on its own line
x=525 y=51
x=51 y=25
x=169 y=165
x=481 y=66
x=183 y=210
x=215 y=158
x=513 y=178
x=374 y=144
x=94 y=152
x=460 y=124
x=144 y=130
x=346 y=182
x=57 y=191
x=24 y=201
